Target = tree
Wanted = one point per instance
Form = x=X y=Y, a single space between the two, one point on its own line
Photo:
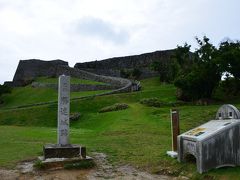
x=183 y=56
x=136 y=73
x=204 y=75
x=229 y=56
x=4 y=89
x=181 y=61
x=125 y=73
x=167 y=69
x=229 y=60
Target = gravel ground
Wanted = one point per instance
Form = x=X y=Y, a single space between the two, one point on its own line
x=103 y=170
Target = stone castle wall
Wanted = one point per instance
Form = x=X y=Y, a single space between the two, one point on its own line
x=107 y=71
x=113 y=66
x=28 y=70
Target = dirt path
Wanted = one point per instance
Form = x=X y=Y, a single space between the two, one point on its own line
x=103 y=170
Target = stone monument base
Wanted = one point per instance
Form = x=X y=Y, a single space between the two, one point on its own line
x=59 y=163
x=68 y=151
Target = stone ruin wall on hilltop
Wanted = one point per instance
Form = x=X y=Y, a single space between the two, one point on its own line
x=28 y=70
x=107 y=71
x=113 y=66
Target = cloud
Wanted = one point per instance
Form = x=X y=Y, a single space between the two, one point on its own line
x=84 y=30
x=95 y=27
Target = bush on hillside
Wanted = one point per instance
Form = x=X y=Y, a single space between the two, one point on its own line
x=115 y=107
x=74 y=116
x=228 y=89
x=155 y=102
x=4 y=89
x=152 y=102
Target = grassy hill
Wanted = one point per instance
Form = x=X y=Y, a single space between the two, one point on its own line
x=28 y=95
x=73 y=80
x=139 y=135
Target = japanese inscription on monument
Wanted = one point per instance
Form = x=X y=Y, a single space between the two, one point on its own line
x=63 y=149
x=63 y=110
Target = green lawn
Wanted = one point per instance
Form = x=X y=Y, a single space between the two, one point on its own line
x=139 y=135
x=29 y=95
x=73 y=80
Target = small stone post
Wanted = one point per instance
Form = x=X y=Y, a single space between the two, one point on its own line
x=175 y=132
x=175 y=128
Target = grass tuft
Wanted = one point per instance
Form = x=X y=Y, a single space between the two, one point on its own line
x=39 y=165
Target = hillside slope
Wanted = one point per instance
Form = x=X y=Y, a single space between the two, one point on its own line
x=139 y=135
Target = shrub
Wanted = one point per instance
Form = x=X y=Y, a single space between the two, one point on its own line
x=115 y=107
x=125 y=73
x=74 y=116
x=152 y=102
x=3 y=90
x=130 y=73
x=136 y=73
x=155 y=102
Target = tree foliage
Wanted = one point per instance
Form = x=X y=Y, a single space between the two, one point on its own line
x=200 y=79
x=4 y=89
x=130 y=73
x=167 y=70
x=229 y=56
x=184 y=57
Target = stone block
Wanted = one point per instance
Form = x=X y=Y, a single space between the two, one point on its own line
x=56 y=151
x=83 y=152
x=172 y=154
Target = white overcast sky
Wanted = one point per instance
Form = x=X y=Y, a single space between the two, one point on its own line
x=86 y=30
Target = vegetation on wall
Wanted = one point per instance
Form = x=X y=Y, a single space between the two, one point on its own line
x=130 y=73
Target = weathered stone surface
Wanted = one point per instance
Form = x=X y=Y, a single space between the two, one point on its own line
x=61 y=163
x=63 y=149
x=228 y=111
x=57 y=151
x=213 y=144
x=112 y=66
x=27 y=70
x=83 y=152
x=63 y=110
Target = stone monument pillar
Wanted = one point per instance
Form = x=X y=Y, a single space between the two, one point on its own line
x=63 y=110
x=63 y=148
x=175 y=132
